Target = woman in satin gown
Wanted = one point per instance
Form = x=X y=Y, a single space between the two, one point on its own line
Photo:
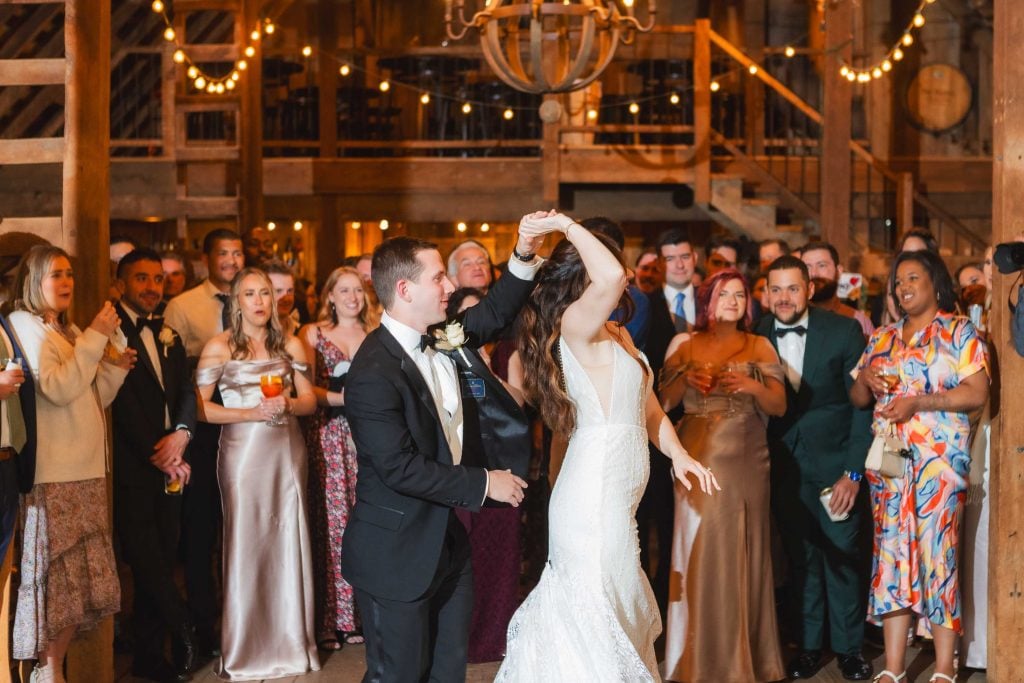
x=267 y=629
x=592 y=616
x=721 y=612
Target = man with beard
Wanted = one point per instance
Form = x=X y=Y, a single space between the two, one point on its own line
x=822 y=262
x=259 y=246
x=648 y=276
x=819 y=443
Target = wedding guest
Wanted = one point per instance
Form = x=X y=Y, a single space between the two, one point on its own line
x=970 y=274
x=722 y=253
x=919 y=239
x=494 y=410
x=198 y=315
x=343 y=321
x=768 y=251
x=258 y=245
x=648 y=275
x=120 y=245
x=721 y=614
x=176 y=278
x=820 y=442
x=154 y=416
x=942 y=375
x=822 y=261
x=17 y=458
x=267 y=629
x=469 y=265
x=68 y=575
x=636 y=315
x=678 y=261
x=283 y=279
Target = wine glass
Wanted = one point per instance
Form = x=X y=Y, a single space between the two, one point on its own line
x=711 y=370
x=739 y=369
x=272 y=386
x=889 y=370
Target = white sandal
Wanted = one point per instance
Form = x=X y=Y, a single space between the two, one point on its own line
x=944 y=677
x=894 y=677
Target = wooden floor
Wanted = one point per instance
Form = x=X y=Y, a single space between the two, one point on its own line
x=346 y=666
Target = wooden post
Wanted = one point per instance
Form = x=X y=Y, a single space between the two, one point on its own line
x=250 y=125
x=550 y=156
x=1006 y=531
x=86 y=214
x=835 y=153
x=702 y=112
x=329 y=245
x=904 y=202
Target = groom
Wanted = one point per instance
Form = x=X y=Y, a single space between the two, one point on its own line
x=405 y=551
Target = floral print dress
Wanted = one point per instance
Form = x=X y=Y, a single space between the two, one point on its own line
x=917 y=516
x=332 y=494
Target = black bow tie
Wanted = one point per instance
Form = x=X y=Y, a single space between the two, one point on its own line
x=427 y=341
x=155 y=324
x=783 y=331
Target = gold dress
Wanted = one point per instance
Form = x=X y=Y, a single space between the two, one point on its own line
x=721 y=615
x=267 y=629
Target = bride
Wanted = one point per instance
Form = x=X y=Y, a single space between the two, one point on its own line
x=593 y=615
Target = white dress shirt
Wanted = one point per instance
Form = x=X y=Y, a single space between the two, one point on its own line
x=791 y=350
x=196 y=316
x=689 y=301
x=149 y=342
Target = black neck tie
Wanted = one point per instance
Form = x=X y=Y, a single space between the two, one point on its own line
x=427 y=341
x=783 y=331
x=225 y=312
x=154 y=324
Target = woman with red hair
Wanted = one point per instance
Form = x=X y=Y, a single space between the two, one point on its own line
x=721 y=613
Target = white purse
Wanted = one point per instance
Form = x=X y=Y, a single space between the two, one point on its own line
x=888 y=455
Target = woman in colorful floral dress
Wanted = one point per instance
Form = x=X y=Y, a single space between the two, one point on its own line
x=942 y=370
x=333 y=340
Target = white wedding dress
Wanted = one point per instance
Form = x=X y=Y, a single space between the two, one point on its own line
x=592 y=616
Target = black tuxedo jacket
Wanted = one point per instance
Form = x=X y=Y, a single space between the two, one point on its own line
x=27 y=394
x=138 y=409
x=660 y=332
x=407 y=484
x=821 y=429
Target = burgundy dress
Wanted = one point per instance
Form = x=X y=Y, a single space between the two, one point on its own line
x=494 y=538
x=332 y=494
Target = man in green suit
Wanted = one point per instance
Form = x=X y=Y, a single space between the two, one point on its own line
x=819 y=443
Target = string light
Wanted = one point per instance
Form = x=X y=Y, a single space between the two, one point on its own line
x=467 y=108
x=715 y=86
x=592 y=114
x=297 y=225
x=344 y=70
x=425 y=98
x=384 y=86
x=158 y=6
x=307 y=51
x=485 y=227
x=356 y=225
x=634 y=108
x=461 y=227
x=250 y=51
x=179 y=56
x=508 y=114
x=673 y=98
x=790 y=51
x=169 y=34
x=752 y=69
x=894 y=54
x=271 y=226
x=384 y=225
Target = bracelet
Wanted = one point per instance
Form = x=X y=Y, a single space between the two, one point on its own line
x=526 y=258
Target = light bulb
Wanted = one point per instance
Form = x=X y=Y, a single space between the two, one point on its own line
x=211 y=88
x=908 y=39
x=790 y=51
x=919 y=20
x=461 y=227
x=385 y=86
x=384 y=224
x=627 y=3
x=220 y=88
x=297 y=225
x=271 y=225
x=250 y=51
x=229 y=84
x=508 y=114
x=887 y=66
x=752 y=69
x=242 y=65
x=863 y=77
x=200 y=83
x=845 y=70
x=634 y=108
x=307 y=51
x=192 y=72
x=158 y=6
x=467 y=108
x=255 y=35
x=344 y=70
x=484 y=227
x=715 y=86
x=356 y=225
x=876 y=72
x=178 y=57
x=897 y=54
x=269 y=28
x=592 y=114
x=673 y=98
x=169 y=34
x=235 y=75
x=850 y=76
x=424 y=98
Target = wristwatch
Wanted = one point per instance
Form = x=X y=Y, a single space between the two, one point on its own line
x=184 y=428
x=853 y=476
x=525 y=258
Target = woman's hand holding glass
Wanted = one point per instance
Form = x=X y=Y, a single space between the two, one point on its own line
x=734 y=379
x=275 y=403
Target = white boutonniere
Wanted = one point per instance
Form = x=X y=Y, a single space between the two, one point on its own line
x=167 y=337
x=451 y=338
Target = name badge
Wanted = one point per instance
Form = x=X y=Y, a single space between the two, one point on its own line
x=475 y=387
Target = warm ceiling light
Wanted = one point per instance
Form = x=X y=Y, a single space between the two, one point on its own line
x=344 y=70
x=250 y=51
x=271 y=225
x=424 y=98
x=158 y=6
x=229 y=84
x=307 y=51
x=269 y=28
x=235 y=75
x=356 y=225
x=887 y=65
x=876 y=72
x=255 y=35
x=844 y=70
x=592 y=114
x=168 y=34
x=200 y=82
x=673 y=98
x=384 y=86
x=242 y=65
x=485 y=227
x=297 y=225
x=634 y=108
x=178 y=57
x=897 y=54
x=384 y=224
x=908 y=39
x=790 y=51
x=467 y=108
x=461 y=227
x=863 y=77
x=508 y=114
x=715 y=86
x=752 y=69
x=211 y=88
x=192 y=72
x=919 y=20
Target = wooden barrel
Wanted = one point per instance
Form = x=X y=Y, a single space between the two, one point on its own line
x=939 y=97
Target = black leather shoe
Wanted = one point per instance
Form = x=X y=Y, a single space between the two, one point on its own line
x=805 y=665
x=184 y=652
x=855 y=667
x=156 y=670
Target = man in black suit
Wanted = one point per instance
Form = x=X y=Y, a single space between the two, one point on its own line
x=17 y=457
x=405 y=551
x=154 y=416
x=821 y=441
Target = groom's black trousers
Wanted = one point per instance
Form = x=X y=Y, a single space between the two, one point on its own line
x=426 y=639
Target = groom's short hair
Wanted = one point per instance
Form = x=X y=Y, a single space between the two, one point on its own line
x=394 y=260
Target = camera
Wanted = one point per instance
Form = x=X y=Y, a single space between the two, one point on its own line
x=1009 y=257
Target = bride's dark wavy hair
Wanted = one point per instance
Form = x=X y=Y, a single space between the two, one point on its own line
x=560 y=281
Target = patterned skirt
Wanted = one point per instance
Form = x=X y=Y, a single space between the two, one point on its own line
x=68 y=573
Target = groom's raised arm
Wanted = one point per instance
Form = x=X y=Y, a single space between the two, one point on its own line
x=376 y=413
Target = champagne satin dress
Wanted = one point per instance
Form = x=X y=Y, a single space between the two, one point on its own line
x=267 y=629
x=721 y=624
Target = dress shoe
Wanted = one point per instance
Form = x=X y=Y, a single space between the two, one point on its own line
x=805 y=665
x=855 y=667
x=184 y=651
x=157 y=670
x=207 y=644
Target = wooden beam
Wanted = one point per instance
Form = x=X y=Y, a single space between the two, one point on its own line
x=1006 y=531
x=702 y=112
x=328 y=246
x=835 y=153
x=551 y=156
x=49 y=228
x=31 y=72
x=199 y=207
x=904 y=203
x=32 y=151
x=250 y=123
x=212 y=52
